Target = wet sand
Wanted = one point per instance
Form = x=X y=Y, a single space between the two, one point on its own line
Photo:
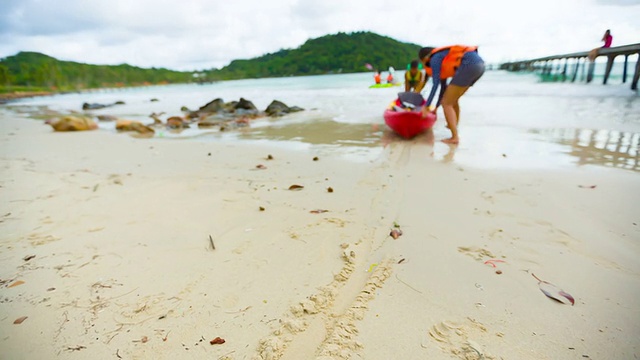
x=106 y=250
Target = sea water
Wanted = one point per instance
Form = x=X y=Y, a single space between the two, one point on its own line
x=508 y=120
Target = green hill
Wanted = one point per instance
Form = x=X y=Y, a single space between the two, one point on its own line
x=337 y=53
x=32 y=70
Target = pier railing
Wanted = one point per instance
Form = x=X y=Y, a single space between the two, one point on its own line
x=550 y=64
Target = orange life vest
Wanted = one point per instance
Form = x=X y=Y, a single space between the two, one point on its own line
x=376 y=78
x=451 y=61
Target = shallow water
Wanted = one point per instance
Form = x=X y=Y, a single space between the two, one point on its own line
x=508 y=120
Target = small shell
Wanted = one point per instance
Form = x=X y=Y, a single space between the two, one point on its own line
x=217 y=341
x=395 y=233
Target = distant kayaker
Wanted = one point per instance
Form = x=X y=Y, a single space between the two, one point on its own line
x=413 y=77
x=376 y=77
x=460 y=63
x=390 y=78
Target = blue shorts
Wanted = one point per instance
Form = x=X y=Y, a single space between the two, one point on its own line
x=470 y=70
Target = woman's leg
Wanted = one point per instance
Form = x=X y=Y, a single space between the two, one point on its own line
x=456 y=107
x=464 y=78
x=451 y=110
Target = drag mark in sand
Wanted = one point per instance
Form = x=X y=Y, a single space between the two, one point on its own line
x=341 y=342
x=476 y=253
x=341 y=329
x=457 y=339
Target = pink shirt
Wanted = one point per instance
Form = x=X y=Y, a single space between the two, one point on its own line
x=607 y=41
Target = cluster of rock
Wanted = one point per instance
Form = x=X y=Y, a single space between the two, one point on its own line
x=95 y=106
x=215 y=113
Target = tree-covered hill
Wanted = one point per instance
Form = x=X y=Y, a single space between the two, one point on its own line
x=341 y=52
x=337 y=53
x=35 y=70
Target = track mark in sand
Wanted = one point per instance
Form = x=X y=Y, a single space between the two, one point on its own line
x=341 y=342
x=463 y=340
x=487 y=197
x=558 y=235
x=341 y=329
x=273 y=346
x=488 y=213
x=500 y=234
x=476 y=253
x=37 y=239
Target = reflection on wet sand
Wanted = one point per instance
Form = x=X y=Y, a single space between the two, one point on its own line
x=318 y=132
x=329 y=132
x=426 y=138
x=599 y=147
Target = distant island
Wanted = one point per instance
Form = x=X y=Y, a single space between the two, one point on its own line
x=33 y=72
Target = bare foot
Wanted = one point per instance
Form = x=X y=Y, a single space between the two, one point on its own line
x=451 y=140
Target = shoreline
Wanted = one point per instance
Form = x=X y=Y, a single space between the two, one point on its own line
x=123 y=265
x=6 y=98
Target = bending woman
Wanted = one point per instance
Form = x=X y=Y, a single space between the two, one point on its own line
x=460 y=63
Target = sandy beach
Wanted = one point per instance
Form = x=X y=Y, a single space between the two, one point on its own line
x=115 y=247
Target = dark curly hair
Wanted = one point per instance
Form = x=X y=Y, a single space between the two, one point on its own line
x=424 y=52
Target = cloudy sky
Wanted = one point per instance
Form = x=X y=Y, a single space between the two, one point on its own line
x=201 y=34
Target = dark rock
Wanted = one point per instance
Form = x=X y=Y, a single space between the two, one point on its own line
x=213 y=106
x=87 y=106
x=95 y=106
x=230 y=106
x=277 y=108
x=154 y=100
x=245 y=104
x=107 y=118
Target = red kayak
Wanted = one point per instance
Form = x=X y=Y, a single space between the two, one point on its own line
x=408 y=123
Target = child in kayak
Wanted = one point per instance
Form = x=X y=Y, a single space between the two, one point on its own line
x=376 y=77
x=390 y=78
x=412 y=78
x=460 y=63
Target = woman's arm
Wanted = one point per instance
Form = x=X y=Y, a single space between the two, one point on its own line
x=436 y=67
x=443 y=88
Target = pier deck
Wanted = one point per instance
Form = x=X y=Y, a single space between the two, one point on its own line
x=580 y=60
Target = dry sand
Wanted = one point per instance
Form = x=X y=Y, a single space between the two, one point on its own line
x=120 y=265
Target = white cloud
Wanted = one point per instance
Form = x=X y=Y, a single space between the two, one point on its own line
x=198 y=34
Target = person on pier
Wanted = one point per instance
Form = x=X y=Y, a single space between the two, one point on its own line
x=608 y=39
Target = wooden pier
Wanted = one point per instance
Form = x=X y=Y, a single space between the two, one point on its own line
x=553 y=65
